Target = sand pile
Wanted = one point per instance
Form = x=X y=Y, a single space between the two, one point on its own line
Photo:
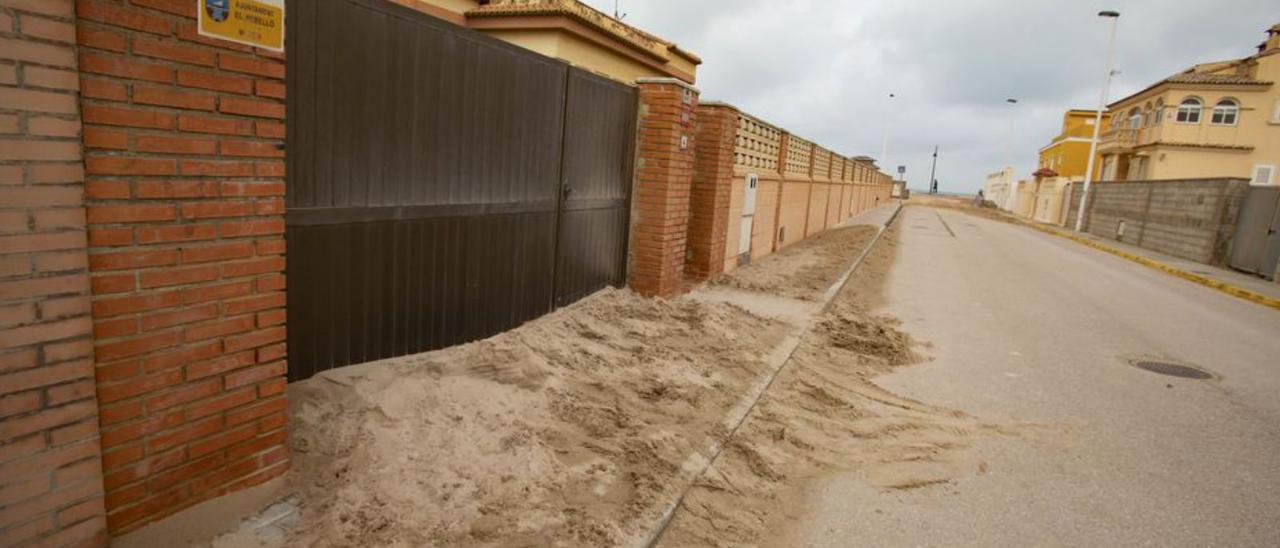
x=822 y=415
x=565 y=432
x=806 y=269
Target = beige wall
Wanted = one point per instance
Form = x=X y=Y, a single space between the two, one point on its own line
x=577 y=52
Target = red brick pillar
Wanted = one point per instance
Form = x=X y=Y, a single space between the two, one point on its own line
x=664 y=176
x=712 y=186
x=50 y=464
x=185 y=192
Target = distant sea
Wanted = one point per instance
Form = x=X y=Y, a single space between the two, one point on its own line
x=941 y=192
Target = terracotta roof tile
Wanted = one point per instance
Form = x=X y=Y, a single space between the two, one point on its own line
x=1213 y=79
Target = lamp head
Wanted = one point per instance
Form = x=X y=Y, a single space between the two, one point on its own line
x=1108 y=13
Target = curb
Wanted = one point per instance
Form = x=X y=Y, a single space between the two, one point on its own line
x=737 y=415
x=1234 y=291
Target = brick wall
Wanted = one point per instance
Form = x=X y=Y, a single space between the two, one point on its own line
x=185 y=210
x=663 y=179
x=1192 y=219
x=50 y=468
x=712 y=183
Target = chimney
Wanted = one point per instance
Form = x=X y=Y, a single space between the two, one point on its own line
x=1273 y=39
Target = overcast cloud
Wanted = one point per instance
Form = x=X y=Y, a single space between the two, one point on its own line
x=824 y=69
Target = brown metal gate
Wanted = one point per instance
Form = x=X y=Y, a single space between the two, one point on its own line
x=443 y=186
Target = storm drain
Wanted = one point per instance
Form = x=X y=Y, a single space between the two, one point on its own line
x=1172 y=369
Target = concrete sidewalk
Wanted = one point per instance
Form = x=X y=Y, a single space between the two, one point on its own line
x=1255 y=284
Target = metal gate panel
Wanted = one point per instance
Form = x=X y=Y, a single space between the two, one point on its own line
x=600 y=122
x=1256 y=245
x=424 y=169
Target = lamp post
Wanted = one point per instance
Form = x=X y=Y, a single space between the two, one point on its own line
x=1011 y=197
x=933 y=183
x=1114 y=16
x=884 y=147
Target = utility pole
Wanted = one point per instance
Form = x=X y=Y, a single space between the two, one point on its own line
x=1097 y=118
x=933 y=183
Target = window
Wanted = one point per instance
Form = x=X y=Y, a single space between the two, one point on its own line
x=1159 y=111
x=1262 y=174
x=1275 y=113
x=1146 y=116
x=1189 y=111
x=1225 y=112
x=1135 y=118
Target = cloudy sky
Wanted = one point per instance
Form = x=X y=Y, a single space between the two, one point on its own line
x=823 y=69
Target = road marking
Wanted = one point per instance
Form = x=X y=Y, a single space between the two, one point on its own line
x=944 y=223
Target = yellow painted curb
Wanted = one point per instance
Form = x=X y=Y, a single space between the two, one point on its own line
x=1224 y=287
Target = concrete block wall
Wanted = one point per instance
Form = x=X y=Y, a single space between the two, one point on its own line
x=183 y=139
x=1191 y=219
x=51 y=490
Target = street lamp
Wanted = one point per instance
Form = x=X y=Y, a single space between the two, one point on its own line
x=884 y=148
x=1010 y=193
x=1114 y=16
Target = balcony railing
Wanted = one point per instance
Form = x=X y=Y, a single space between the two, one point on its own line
x=1113 y=139
x=1204 y=134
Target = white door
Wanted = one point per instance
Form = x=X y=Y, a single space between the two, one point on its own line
x=748 y=213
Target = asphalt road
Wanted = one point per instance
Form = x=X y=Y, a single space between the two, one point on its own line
x=1027 y=327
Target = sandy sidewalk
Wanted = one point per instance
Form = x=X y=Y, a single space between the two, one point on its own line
x=824 y=415
x=572 y=430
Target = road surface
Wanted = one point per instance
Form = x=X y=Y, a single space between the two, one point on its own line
x=1027 y=327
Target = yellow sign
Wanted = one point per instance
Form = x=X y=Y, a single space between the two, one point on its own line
x=258 y=23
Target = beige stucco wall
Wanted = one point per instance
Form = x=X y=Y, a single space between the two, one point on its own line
x=577 y=52
x=456 y=6
x=567 y=46
x=1177 y=163
x=591 y=56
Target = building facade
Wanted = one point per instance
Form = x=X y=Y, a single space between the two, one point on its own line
x=1068 y=153
x=1212 y=120
x=570 y=31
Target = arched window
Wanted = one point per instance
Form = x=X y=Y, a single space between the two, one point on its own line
x=1225 y=112
x=1135 y=118
x=1189 y=111
x=1159 y=111
x=1146 y=116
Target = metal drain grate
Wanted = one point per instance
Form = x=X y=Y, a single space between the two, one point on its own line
x=1173 y=369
